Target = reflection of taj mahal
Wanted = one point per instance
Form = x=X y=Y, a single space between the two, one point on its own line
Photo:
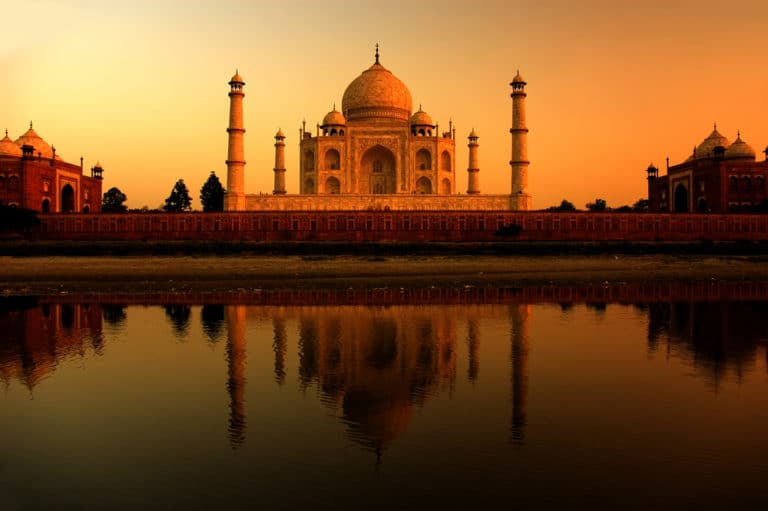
x=376 y=153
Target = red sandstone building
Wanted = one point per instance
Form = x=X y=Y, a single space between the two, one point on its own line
x=33 y=176
x=719 y=177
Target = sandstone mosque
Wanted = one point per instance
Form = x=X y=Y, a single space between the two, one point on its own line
x=376 y=153
x=34 y=176
x=717 y=177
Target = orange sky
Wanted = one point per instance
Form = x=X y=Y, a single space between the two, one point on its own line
x=142 y=86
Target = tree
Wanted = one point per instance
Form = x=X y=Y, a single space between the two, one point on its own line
x=641 y=205
x=597 y=206
x=17 y=219
x=564 y=206
x=179 y=199
x=212 y=194
x=112 y=201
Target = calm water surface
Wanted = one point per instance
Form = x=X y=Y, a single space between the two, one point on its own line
x=553 y=398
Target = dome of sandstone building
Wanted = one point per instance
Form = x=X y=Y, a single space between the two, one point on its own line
x=377 y=93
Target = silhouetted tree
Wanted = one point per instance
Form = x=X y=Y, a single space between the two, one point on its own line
x=622 y=209
x=564 y=206
x=212 y=194
x=506 y=231
x=641 y=205
x=17 y=219
x=597 y=206
x=112 y=201
x=179 y=199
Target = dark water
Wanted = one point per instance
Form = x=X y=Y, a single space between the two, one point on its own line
x=633 y=398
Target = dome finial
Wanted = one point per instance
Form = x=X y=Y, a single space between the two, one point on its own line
x=715 y=126
x=334 y=106
x=377 y=53
x=30 y=124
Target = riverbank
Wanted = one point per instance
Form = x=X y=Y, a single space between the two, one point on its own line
x=57 y=274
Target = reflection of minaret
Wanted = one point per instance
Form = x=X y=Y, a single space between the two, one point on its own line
x=473 y=340
x=307 y=350
x=279 y=345
x=236 y=352
x=518 y=314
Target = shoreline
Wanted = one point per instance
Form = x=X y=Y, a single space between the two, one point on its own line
x=36 y=275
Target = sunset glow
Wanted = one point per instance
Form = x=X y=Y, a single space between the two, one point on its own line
x=142 y=87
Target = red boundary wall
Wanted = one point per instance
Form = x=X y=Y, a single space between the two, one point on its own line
x=403 y=226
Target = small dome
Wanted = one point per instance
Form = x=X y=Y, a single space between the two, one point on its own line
x=237 y=78
x=421 y=118
x=518 y=78
x=8 y=148
x=279 y=134
x=334 y=118
x=707 y=148
x=740 y=150
x=377 y=93
x=473 y=134
x=33 y=139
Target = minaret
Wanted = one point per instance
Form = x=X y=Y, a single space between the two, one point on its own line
x=279 y=164
x=235 y=197
x=519 y=162
x=473 y=171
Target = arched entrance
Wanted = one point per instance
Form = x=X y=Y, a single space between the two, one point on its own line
x=309 y=185
x=681 y=199
x=377 y=171
x=46 y=206
x=423 y=160
x=446 y=187
x=423 y=185
x=67 y=199
x=332 y=185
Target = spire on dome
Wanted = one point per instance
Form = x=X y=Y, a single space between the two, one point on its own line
x=377 y=53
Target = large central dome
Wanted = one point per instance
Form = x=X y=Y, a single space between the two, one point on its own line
x=376 y=94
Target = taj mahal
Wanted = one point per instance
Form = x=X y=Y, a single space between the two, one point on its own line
x=376 y=153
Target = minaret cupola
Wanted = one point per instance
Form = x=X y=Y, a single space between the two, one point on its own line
x=421 y=124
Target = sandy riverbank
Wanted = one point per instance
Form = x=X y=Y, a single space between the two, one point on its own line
x=42 y=275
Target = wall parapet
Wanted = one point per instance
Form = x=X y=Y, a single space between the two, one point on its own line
x=403 y=226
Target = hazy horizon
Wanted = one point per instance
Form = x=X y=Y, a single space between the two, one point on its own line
x=142 y=87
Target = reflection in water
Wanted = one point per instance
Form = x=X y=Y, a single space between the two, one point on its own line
x=114 y=314
x=373 y=365
x=716 y=338
x=178 y=315
x=473 y=344
x=280 y=347
x=212 y=320
x=518 y=315
x=236 y=353
x=36 y=338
